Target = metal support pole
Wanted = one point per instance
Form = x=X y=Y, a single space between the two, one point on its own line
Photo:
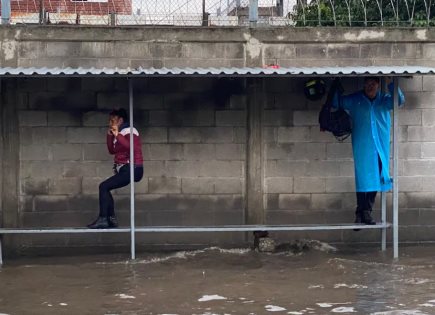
x=1 y=252
x=6 y=11
x=395 y=169
x=383 y=220
x=253 y=13
x=132 y=224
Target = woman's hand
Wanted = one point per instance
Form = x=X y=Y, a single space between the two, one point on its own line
x=114 y=130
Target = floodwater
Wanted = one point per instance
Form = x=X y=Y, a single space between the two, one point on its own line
x=310 y=280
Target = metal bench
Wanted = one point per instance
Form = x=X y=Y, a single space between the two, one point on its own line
x=223 y=228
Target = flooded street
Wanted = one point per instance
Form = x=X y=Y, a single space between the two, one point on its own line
x=216 y=281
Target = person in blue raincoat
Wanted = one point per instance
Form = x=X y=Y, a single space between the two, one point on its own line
x=370 y=114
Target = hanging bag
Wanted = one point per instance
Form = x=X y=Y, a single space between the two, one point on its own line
x=335 y=120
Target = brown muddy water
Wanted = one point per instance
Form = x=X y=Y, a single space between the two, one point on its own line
x=317 y=280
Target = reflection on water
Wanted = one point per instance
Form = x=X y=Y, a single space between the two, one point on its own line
x=217 y=281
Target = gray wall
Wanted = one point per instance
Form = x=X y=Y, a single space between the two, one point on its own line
x=216 y=151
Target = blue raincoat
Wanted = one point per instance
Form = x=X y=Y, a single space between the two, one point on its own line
x=370 y=137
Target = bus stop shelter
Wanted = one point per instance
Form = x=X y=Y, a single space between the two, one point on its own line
x=396 y=72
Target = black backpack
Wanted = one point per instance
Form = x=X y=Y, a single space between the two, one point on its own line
x=335 y=120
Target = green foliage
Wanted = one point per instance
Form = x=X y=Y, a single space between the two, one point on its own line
x=363 y=13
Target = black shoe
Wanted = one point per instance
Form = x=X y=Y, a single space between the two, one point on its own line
x=358 y=220
x=113 y=223
x=366 y=218
x=100 y=223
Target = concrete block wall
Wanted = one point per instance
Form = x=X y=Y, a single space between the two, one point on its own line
x=195 y=140
x=194 y=156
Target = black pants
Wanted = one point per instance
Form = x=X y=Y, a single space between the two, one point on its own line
x=366 y=200
x=121 y=179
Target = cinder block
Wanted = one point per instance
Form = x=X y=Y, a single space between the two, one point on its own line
x=323 y=168
x=195 y=117
x=277 y=118
x=96 y=152
x=86 y=135
x=238 y=101
x=428 y=83
x=32 y=118
x=64 y=152
x=64 y=119
x=203 y=135
x=220 y=168
x=286 y=101
x=295 y=151
x=34 y=152
x=48 y=135
x=96 y=119
x=420 y=99
x=277 y=51
x=415 y=84
x=41 y=169
x=182 y=168
x=408 y=50
x=283 y=168
x=418 y=167
x=165 y=50
x=77 y=169
x=326 y=202
x=428 y=116
x=414 y=183
x=306 y=118
x=414 y=150
x=308 y=51
x=154 y=135
x=309 y=185
x=230 y=151
x=271 y=202
x=229 y=185
x=427 y=150
x=34 y=186
x=198 y=152
x=294 y=201
x=293 y=134
x=154 y=168
x=339 y=151
x=25 y=204
x=165 y=151
x=275 y=185
x=111 y=100
x=69 y=186
x=340 y=184
x=239 y=135
x=427 y=183
x=320 y=136
x=343 y=51
x=81 y=203
x=62 y=49
x=230 y=118
x=197 y=186
x=420 y=200
x=90 y=185
x=32 y=50
x=51 y=203
x=375 y=50
x=148 y=101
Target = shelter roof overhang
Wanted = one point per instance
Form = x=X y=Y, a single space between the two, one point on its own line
x=333 y=71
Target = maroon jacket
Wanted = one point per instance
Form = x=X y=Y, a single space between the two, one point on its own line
x=120 y=146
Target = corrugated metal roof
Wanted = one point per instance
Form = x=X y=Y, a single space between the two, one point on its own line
x=220 y=72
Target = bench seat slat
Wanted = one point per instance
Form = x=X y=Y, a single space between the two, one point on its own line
x=222 y=228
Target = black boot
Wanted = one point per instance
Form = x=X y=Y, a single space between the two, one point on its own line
x=358 y=219
x=113 y=223
x=100 y=223
x=367 y=218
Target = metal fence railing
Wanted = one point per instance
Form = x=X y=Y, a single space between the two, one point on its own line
x=223 y=13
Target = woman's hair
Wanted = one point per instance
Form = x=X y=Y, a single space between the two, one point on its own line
x=121 y=112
